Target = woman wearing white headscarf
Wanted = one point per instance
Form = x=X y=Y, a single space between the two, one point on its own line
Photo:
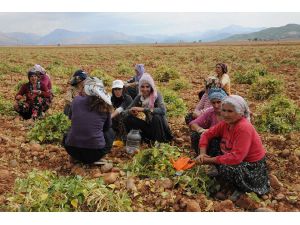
x=133 y=83
x=240 y=156
x=90 y=136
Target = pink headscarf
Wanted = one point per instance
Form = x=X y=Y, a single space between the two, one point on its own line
x=146 y=78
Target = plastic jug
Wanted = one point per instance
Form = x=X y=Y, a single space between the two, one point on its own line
x=133 y=141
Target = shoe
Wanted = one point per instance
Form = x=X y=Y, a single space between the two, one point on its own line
x=100 y=162
x=235 y=195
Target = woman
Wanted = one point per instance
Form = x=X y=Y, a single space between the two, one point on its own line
x=120 y=102
x=209 y=118
x=43 y=77
x=204 y=103
x=36 y=98
x=132 y=84
x=76 y=89
x=240 y=156
x=90 y=136
x=221 y=71
x=150 y=102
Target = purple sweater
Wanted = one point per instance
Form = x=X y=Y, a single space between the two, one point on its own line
x=87 y=126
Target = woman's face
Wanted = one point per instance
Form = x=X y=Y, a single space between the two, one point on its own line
x=118 y=92
x=33 y=79
x=219 y=70
x=145 y=89
x=229 y=114
x=216 y=104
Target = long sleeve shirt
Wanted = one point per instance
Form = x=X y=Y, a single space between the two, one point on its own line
x=240 y=143
x=207 y=119
x=87 y=126
x=25 y=90
x=203 y=104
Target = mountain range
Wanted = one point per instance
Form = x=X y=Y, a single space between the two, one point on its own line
x=230 y=33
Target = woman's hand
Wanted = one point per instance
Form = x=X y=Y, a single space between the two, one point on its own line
x=201 y=159
x=19 y=97
x=139 y=109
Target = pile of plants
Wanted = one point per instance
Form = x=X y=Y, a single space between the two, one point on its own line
x=248 y=77
x=107 y=80
x=50 y=129
x=266 y=87
x=279 y=116
x=156 y=163
x=45 y=191
x=174 y=104
x=165 y=74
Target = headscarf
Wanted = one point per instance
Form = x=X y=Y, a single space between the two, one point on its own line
x=146 y=78
x=216 y=93
x=78 y=76
x=240 y=105
x=117 y=101
x=93 y=86
x=223 y=66
x=39 y=69
x=141 y=70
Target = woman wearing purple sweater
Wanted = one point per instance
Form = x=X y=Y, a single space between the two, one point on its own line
x=91 y=135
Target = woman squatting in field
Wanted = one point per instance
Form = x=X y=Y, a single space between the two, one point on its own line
x=240 y=156
x=209 y=118
x=37 y=97
x=90 y=136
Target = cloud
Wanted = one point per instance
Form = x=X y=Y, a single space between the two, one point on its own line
x=139 y=23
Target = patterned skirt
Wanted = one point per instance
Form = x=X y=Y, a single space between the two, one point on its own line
x=247 y=176
x=35 y=109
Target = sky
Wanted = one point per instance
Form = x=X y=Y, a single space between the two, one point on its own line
x=137 y=23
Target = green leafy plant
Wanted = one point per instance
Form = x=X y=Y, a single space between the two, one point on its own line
x=45 y=191
x=19 y=84
x=266 y=87
x=174 y=104
x=6 y=107
x=248 y=77
x=56 y=90
x=107 y=80
x=165 y=74
x=124 y=69
x=155 y=163
x=179 y=84
x=50 y=129
x=280 y=115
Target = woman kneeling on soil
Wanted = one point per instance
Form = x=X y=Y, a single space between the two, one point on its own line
x=209 y=118
x=90 y=136
x=240 y=156
x=204 y=103
x=120 y=102
x=37 y=98
x=149 y=102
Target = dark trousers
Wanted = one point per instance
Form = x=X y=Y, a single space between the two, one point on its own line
x=155 y=130
x=213 y=147
x=87 y=155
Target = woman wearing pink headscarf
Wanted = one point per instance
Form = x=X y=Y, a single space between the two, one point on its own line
x=150 y=102
x=240 y=155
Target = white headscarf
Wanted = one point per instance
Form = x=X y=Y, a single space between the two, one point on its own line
x=240 y=105
x=93 y=86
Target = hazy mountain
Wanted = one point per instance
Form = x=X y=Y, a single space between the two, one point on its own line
x=287 y=32
x=66 y=37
